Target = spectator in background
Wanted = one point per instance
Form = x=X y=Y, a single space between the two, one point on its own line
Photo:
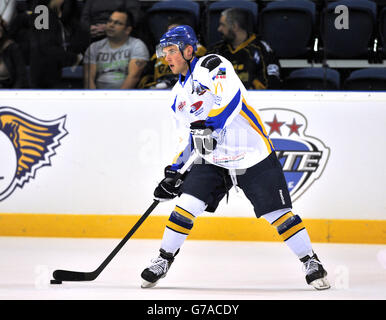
x=20 y=29
x=96 y=13
x=49 y=51
x=13 y=73
x=75 y=38
x=157 y=73
x=253 y=59
x=117 y=61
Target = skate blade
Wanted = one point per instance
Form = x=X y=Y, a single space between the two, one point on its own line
x=320 y=284
x=146 y=284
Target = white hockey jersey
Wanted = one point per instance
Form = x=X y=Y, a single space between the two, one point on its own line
x=214 y=93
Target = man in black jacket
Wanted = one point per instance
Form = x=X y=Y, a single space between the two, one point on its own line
x=252 y=58
x=13 y=73
x=49 y=51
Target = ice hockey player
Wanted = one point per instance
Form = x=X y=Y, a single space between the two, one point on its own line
x=210 y=102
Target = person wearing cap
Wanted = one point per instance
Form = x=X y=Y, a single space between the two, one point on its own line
x=210 y=106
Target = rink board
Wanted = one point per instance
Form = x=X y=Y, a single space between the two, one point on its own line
x=206 y=228
x=90 y=160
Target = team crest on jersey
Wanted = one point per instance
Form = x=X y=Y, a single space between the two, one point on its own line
x=26 y=145
x=196 y=108
x=303 y=157
x=181 y=105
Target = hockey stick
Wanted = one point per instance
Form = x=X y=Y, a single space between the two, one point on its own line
x=66 y=275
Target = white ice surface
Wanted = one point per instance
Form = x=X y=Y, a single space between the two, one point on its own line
x=203 y=270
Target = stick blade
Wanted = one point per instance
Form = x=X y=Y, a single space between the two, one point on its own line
x=65 y=275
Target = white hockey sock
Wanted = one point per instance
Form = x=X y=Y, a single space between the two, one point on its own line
x=292 y=230
x=172 y=240
x=300 y=244
x=181 y=222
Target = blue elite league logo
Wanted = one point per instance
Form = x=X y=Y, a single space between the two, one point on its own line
x=303 y=157
x=26 y=145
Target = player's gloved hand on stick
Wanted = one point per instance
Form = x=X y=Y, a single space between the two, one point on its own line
x=169 y=187
x=203 y=141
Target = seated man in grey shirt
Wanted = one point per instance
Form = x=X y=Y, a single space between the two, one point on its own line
x=117 y=61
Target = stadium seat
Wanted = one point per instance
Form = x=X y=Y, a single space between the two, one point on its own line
x=288 y=26
x=72 y=78
x=214 y=12
x=354 y=42
x=382 y=32
x=72 y=73
x=369 y=79
x=160 y=12
x=313 y=79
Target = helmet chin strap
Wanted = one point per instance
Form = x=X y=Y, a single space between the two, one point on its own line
x=188 y=62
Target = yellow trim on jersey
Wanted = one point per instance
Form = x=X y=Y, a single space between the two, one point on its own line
x=264 y=135
x=216 y=112
x=258 y=85
x=201 y=50
x=232 y=104
x=242 y=45
x=283 y=218
x=176 y=157
x=244 y=115
x=256 y=115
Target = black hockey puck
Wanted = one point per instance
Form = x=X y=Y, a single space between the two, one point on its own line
x=56 y=282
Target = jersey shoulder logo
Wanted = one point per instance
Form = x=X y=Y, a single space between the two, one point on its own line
x=302 y=157
x=211 y=62
x=26 y=145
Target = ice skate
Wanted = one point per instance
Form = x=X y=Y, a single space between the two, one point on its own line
x=315 y=273
x=158 y=269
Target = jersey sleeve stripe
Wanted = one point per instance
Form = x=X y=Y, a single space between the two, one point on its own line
x=176 y=157
x=216 y=112
x=218 y=117
x=180 y=159
x=253 y=121
x=174 y=104
x=253 y=112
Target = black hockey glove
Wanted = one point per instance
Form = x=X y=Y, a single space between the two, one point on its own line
x=169 y=187
x=203 y=141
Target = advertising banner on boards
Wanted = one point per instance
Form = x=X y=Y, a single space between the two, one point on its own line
x=103 y=152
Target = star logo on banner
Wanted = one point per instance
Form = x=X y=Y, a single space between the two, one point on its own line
x=294 y=127
x=275 y=125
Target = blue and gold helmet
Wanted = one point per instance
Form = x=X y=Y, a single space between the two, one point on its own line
x=180 y=36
